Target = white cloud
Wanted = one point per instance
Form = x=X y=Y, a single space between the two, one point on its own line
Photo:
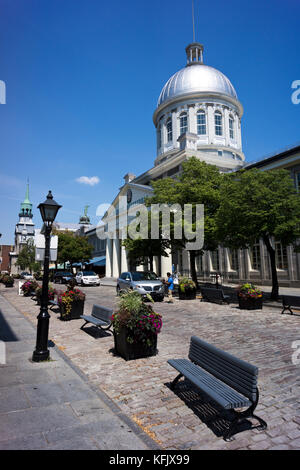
x=91 y=180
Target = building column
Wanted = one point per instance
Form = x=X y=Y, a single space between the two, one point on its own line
x=192 y=119
x=166 y=264
x=108 y=272
x=210 y=123
x=291 y=260
x=124 y=261
x=156 y=265
x=226 y=125
x=116 y=257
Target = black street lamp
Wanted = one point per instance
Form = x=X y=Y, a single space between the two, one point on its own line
x=48 y=210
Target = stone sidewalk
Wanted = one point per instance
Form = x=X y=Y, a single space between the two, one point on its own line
x=50 y=405
x=185 y=420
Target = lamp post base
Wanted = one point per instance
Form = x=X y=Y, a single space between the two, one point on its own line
x=39 y=356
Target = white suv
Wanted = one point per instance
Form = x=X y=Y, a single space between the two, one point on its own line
x=87 y=278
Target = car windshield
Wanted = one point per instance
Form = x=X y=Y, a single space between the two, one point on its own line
x=144 y=276
x=89 y=273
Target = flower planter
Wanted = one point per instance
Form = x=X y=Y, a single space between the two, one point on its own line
x=187 y=294
x=133 y=350
x=250 y=303
x=75 y=313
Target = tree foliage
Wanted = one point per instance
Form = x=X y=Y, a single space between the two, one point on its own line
x=26 y=258
x=73 y=248
x=259 y=204
x=199 y=183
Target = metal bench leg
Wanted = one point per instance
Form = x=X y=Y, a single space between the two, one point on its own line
x=173 y=384
x=241 y=416
x=287 y=307
x=84 y=325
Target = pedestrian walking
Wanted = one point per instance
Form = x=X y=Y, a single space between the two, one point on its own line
x=170 y=284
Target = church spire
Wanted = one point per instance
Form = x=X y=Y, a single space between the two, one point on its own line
x=26 y=206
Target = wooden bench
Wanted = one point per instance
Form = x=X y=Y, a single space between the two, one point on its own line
x=227 y=380
x=214 y=295
x=289 y=301
x=100 y=317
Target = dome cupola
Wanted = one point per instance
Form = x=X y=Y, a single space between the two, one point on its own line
x=198 y=110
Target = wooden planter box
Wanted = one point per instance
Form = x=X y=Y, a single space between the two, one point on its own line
x=250 y=303
x=133 y=351
x=188 y=294
x=76 y=311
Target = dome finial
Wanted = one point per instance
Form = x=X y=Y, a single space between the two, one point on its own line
x=194 y=53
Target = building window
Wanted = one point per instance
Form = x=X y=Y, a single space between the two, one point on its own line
x=218 y=123
x=215 y=260
x=201 y=123
x=169 y=130
x=183 y=123
x=199 y=264
x=280 y=256
x=231 y=130
x=298 y=181
x=255 y=256
x=234 y=259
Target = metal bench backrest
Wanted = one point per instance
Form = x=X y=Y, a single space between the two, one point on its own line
x=235 y=372
x=102 y=313
x=290 y=300
x=210 y=292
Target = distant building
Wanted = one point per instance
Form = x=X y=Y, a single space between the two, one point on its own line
x=5 y=250
x=199 y=114
x=24 y=231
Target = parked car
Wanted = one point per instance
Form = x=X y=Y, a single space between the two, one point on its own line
x=144 y=283
x=26 y=275
x=63 y=277
x=87 y=278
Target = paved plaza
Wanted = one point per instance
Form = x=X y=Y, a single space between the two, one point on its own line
x=140 y=389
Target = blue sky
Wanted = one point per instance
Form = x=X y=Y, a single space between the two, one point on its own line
x=83 y=79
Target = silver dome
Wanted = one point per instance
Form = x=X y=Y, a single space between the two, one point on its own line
x=196 y=78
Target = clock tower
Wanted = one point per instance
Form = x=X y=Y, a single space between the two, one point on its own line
x=25 y=227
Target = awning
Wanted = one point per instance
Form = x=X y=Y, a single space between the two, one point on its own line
x=98 y=261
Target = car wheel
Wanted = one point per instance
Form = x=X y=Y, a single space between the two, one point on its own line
x=118 y=290
x=82 y=283
x=60 y=281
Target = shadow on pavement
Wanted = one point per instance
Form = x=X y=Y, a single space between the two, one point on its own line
x=217 y=419
x=6 y=333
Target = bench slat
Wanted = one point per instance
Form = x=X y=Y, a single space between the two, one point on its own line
x=217 y=390
x=94 y=320
x=235 y=372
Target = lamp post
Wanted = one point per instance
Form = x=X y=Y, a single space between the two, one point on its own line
x=48 y=210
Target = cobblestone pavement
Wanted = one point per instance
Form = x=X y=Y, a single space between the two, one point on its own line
x=183 y=419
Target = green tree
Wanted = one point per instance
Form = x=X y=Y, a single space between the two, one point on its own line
x=141 y=250
x=26 y=257
x=199 y=183
x=259 y=204
x=73 y=248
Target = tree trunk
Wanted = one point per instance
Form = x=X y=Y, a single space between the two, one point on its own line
x=151 y=262
x=193 y=267
x=271 y=251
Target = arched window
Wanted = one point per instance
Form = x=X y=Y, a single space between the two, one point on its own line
x=169 y=130
x=201 y=123
x=231 y=127
x=218 y=123
x=183 y=123
x=159 y=142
